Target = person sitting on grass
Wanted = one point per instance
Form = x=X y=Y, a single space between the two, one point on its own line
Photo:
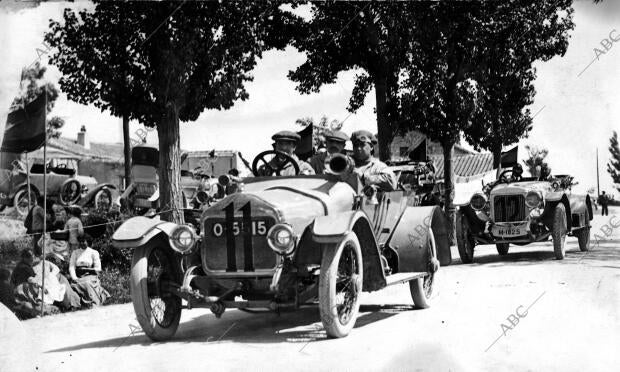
x=84 y=268
x=23 y=272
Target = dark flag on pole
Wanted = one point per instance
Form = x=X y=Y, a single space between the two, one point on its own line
x=509 y=158
x=305 y=147
x=418 y=154
x=25 y=127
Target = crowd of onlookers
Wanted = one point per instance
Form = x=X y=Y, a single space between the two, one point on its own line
x=64 y=277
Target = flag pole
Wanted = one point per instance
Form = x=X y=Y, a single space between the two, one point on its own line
x=28 y=181
x=44 y=208
x=598 y=185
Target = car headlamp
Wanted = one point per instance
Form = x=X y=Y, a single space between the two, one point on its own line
x=478 y=201
x=281 y=239
x=533 y=199
x=182 y=239
x=202 y=197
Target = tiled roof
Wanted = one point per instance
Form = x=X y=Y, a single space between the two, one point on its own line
x=465 y=166
x=103 y=151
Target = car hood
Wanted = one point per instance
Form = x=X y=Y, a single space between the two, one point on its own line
x=295 y=206
x=521 y=188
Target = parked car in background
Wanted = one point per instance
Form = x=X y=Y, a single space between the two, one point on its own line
x=281 y=243
x=518 y=210
x=63 y=186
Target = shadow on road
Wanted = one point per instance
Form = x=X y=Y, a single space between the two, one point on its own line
x=302 y=327
x=600 y=252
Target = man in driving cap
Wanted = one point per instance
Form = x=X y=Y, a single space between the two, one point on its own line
x=285 y=141
x=371 y=170
x=335 y=141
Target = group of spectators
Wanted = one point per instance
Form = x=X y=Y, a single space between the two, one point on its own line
x=38 y=280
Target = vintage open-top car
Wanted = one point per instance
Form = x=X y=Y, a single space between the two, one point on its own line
x=518 y=210
x=63 y=186
x=282 y=242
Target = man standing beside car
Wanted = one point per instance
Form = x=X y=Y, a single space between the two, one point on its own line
x=373 y=172
x=334 y=141
x=286 y=142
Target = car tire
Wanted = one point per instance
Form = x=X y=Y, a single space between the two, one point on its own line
x=422 y=288
x=66 y=196
x=583 y=235
x=146 y=258
x=20 y=197
x=559 y=231
x=464 y=239
x=98 y=195
x=502 y=248
x=341 y=277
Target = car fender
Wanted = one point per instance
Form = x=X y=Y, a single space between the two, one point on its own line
x=90 y=195
x=331 y=229
x=551 y=200
x=138 y=231
x=24 y=185
x=578 y=206
x=412 y=242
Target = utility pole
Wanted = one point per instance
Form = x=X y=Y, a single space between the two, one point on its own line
x=598 y=185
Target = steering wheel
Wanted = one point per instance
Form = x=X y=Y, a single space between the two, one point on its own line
x=503 y=177
x=274 y=168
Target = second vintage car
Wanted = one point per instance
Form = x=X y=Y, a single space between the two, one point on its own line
x=282 y=243
x=518 y=211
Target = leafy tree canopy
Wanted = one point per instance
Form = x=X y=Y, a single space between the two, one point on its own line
x=613 y=167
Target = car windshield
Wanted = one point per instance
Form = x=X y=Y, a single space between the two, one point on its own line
x=321 y=183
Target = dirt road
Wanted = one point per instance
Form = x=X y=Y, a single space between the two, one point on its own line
x=525 y=311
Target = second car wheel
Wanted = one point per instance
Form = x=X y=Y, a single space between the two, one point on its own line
x=340 y=286
x=559 y=231
x=583 y=235
x=502 y=248
x=464 y=239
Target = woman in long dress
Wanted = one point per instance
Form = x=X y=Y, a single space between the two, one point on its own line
x=84 y=268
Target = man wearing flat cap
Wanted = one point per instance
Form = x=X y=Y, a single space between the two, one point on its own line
x=373 y=172
x=335 y=141
x=286 y=142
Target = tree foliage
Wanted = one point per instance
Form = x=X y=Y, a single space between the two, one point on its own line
x=613 y=167
x=536 y=160
x=166 y=62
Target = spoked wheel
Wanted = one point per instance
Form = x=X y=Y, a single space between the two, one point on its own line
x=21 y=202
x=422 y=288
x=559 y=231
x=340 y=286
x=103 y=200
x=153 y=274
x=583 y=236
x=464 y=239
x=70 y=192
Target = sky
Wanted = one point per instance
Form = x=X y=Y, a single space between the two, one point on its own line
x=576 y=104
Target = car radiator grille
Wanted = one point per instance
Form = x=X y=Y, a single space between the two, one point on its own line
x=145 y=189
x=509 y=208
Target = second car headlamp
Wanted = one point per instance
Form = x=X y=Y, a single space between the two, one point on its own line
x=533 y=199
x=281 y=239
x=182 y=239
x=478 y=201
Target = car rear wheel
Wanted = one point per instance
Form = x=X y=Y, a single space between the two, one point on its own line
x=502 y=248
x=464 y=238
x=583 y=235
x=559 y=231
x=152 y=275
x=340 y=286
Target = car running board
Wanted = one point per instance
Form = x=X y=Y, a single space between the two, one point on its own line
x=403 y=278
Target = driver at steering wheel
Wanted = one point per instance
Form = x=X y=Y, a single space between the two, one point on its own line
x=286 y=142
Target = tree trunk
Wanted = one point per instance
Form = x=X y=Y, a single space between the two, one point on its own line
x=448 y=172
x=383 y=126
x=127 y=150
x=170 y=195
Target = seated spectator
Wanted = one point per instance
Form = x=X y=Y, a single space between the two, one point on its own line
x=84 y=266
x=7 y=297
x=23 y=271
x=58 y=290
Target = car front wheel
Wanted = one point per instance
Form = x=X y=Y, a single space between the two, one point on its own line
x=559 y=231
x=464 y=239
x=152 y=275
x=340 y=286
